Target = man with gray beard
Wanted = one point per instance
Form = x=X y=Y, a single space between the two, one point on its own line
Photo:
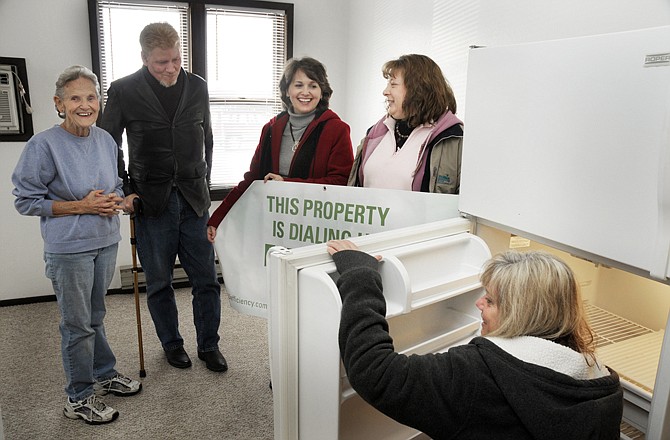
x=164 y=111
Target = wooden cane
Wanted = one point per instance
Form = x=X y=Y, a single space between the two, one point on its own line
x=136 y=206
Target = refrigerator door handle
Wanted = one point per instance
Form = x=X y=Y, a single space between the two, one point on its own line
x=661 y=251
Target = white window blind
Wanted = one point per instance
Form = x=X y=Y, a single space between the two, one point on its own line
x=246 y=51
x=119 y=34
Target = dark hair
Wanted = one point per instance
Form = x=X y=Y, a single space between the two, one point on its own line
x=429 y=94
x=314 y=71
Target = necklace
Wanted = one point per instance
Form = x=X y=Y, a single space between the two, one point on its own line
x=398 y=134
x=295 y=143
x=399 y=137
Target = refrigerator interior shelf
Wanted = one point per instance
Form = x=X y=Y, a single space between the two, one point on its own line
x=629 y=432
x=636 y=359
x=434 y=328
x=611 y=328
x=630 y=349
x=361 y=421
x=464 y=326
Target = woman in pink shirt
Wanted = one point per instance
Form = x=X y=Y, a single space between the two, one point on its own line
x=417 y=145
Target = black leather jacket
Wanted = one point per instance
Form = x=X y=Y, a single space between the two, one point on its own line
x=162 y=153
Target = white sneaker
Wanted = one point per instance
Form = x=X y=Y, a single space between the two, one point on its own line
x=92 y=410
x=118 y=385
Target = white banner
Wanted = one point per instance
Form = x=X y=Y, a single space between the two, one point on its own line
x=300 y=214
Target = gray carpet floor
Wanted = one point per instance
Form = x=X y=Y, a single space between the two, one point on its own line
x=193 y=403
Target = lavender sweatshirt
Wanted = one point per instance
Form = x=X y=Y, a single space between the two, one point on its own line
x=57 y=165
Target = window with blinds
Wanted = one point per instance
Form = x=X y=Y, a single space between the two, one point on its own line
x=119 y=35
x=243 y=83
x=240 y=50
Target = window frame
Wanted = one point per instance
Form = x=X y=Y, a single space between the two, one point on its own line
x=197 y=10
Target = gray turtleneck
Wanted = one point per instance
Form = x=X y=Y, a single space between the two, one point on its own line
x=295 y=128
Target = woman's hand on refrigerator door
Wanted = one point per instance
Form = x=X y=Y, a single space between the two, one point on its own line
x=334 y=246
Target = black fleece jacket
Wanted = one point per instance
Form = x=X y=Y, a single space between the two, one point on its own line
x=473 y=391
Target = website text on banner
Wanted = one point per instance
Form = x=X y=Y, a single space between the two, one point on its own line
x=300 y=214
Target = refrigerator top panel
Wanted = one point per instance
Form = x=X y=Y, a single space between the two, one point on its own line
x=568 y=140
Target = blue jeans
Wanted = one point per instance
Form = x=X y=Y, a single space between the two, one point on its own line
x=80 y=282
x=178 y=231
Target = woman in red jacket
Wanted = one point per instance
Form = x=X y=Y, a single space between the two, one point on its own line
x=306 y=143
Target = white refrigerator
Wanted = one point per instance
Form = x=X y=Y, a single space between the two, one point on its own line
x=567 y=148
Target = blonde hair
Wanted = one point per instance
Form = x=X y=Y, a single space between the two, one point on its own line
x=537 y=295
x=158 y=35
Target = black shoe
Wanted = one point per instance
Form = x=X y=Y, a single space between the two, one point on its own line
x=214 y=360
x=178 y=358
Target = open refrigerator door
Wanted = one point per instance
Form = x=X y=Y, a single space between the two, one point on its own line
x=431 y=278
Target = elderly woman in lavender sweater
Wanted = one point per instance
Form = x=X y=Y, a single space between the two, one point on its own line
x=67 y=175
